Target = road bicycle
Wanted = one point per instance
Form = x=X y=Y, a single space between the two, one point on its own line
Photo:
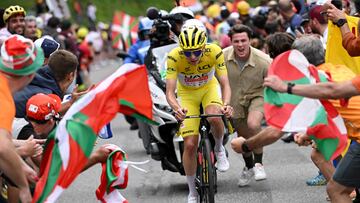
x=206 y=176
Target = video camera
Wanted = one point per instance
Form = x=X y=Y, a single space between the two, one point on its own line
x=161 y=23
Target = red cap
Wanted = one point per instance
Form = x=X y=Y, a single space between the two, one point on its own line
x=316 y=12
x=43 y=107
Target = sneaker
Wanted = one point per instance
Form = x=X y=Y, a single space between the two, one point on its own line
x=317 y=181
x=289 y=137
x=245 y=177
x=192 y=199
x=222 y=163
x=259 y=172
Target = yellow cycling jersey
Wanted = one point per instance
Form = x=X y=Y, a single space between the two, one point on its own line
x=196 y=76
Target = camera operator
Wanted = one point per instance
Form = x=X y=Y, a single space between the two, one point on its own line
x=165 y=31
x=179 y=15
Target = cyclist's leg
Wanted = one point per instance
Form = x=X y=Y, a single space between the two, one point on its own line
x=212 y=104
x=189 y=130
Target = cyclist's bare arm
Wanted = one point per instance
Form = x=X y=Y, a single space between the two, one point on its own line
x=225 y=88
x=226 y=95
x=180 y=112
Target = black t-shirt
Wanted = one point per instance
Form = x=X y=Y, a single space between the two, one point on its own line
x=26 y=132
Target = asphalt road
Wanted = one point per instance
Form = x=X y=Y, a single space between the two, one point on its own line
x=287 y=166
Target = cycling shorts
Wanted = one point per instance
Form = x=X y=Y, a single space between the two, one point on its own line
x=191 y=100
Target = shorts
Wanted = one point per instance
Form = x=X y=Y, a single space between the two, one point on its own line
x=191 y=100
x=348 y=171
x=256 y=104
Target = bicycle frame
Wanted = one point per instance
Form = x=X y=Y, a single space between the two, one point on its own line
x=206 y=177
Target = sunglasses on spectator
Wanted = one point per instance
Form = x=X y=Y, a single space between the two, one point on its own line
x=196 y=53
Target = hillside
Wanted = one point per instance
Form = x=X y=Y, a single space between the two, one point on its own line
x=106 y=8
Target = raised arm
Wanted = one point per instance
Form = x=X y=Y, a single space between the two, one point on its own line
x=328 y=90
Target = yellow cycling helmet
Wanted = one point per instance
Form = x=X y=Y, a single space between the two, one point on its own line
x=192 y=38
x=11 y=10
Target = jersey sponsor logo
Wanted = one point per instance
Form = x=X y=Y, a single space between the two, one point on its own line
x=187 y=73
x=207 y=50
x=218 y=55
x=170 y=70
x=205 y=67
x=172 y=58
x=196 y=78
x=187 y=132
x=221 y=65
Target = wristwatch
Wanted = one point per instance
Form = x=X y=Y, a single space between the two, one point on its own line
x=341 y=22
x=245 y=147
x=289 y=87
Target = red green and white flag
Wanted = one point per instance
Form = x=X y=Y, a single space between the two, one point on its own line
x=114 y=176
x=69 y=146
x=124 y=30
x=292 y=113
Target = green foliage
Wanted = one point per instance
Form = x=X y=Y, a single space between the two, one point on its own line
x=106 y=8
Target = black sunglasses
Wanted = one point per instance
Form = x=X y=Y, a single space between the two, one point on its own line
x=197 y=53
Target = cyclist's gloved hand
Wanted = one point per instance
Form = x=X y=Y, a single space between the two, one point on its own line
x=227 y=110
x=180 y=114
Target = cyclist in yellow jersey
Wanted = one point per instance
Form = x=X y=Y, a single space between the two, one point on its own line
x=191 y=69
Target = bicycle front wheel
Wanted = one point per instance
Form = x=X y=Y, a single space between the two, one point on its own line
x=207 y=173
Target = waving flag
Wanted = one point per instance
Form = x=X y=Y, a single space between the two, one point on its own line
x=114 y=176
x=124 y=30
x=335 y=52
x=292 y=113
x=70 y=144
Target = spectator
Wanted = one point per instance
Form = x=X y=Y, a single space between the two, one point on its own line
x=54 y=78
x=292 y=19
x=91 y=14
x=274 y=46
x=346 y=176
x=51 y=28
x=67 y=39
x=48 y=45
x=78 y=12
x=305 y=24
x=319 y=22
x=14 y=18
x=247 y=67
x=137 y=52
x=30 y=28
x=12 y=79
x=244 y=11
x=349 y=40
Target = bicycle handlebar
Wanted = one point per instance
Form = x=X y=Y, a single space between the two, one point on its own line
x=205 y=116
x=227 y=123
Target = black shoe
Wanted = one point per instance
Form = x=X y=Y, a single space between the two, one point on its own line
x=288 y=139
